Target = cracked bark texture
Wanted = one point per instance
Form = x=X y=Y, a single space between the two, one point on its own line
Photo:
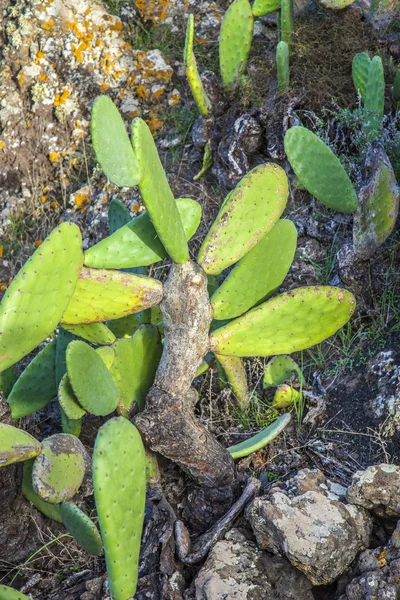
x=168 y=424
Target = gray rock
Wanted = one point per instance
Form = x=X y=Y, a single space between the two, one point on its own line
x=377 y=487
x=383 y=377
x=307 y=522
x=237 y=570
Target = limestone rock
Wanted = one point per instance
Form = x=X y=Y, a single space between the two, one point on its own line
x=377 y=487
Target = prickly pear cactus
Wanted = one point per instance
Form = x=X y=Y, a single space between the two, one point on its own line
x=375 y=96
x=63 y=339
x=7 y=380
x=236 y=375
x=118 y=215
x=360 y=69
x=82 y=528
x=157 y=195
x=279 y=370
x=287 y=323
x=336 y=4
x=378 y=207
x=52 y=511
x=235 y=42
x=57 y=261
x=261 y=8
x=96 y=333
x=36 y=386
x=111 y=144
x=261 y=439
x=119 y=481
x=58 y=471
x=68 y=401
x=319 y=170
x=90 y=379
x=258 y=274
x=282 y=66
x=247 y=215
x=8 y=593
x=285 y=396
x=199 y=94
x=16 y=445
x=287 y=21
x=102 y=294
x=137 y=244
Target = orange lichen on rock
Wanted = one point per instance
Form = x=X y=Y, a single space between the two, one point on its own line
x=155 y=11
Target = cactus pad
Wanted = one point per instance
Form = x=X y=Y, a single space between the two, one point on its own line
x=319 y=170
x=124 y=327
x=280 y=370
x=90 y=379
x=82 y=528
x=261 y=439
x=68 y=401
x=95 y=333
x=287 y=323
x=111 y=144
x=37 y=386
x=282 y=66
x=247 y=215
x=59 y=470
x=118 y=215
x=236 y=375
x=374 y=105
x=7 y=380
x=119 y=481
x=287 y=21
x=8 y=593
x=192 y=73
x=360 y=70
x=137 y=243
x=259 y=273
x=72 y=426
x=16 y=445
x=261 y=8
x=101 y=295
x=27 y=314
x=52 y=511
x=235 y=42
x=157 y=195
x=336 y=4
x=64 y=337
x=285 y=396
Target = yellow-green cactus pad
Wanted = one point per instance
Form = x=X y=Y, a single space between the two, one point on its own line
x=119 y=481
x=58 y=471
x=90 y=379
x=137 y=244
x=52 y=511
x=37 y=386
x=260 y=440
x=38 y=296
x=82 y=528
x=101 y=295
x=248 y=213
x=68 y=401
x=319 y=170
x=96 y=333
x=118 y=215
x=157 y=195
x=360 y=70
x=259 y=273
x=285 y=396
x=8 y=593
x=107 y=354
x=111 y=144
x=336 y=4
x=16 y=445
x=236 y=375
x=265 y=7
x=192 y=73
x=235 y=40
x=280 y=370
x=287 y=323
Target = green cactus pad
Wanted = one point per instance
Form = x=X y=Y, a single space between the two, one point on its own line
x=38 y=296
x=102 y=294
x=247 y=215
x=336 y=4
x=261 y=8
x=360 y=70
x=137 y=243
x=68 y=401
x=8 y=593
x=207 y=162
x=206 y=362
x=282 y=66
x=37 y=386
x=58 y=471
x=119 y=481
x=157 y=195
x=285 y=396
x=259 y=273
x=16 y=445
x=374 y=104
x=235 y=42
x=280 y=370
x=260 y=440
x=90 y=379
x=7 y=380
x=72 y=426
x=82 y=528
x=146 y=349
x=396 y=90
x=378 y=207
x=192 y=73
x=111 y=144
x=124 y=327
x=96 y=333
x=118 y=215
x=287 y=21
x=236 y=376
x=319 y=170
x=107 y=355
x=63 y=339
x=52 y=511
x=287 y=323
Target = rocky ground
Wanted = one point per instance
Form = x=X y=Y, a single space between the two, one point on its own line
x=321 y=519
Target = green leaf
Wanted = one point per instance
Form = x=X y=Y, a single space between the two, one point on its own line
x=261 y=439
